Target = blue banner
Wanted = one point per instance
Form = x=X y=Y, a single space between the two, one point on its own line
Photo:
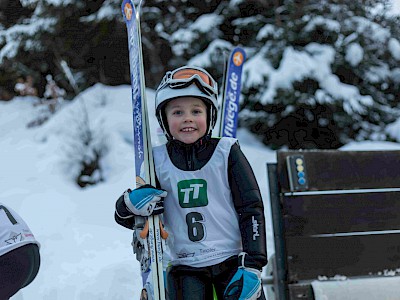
x=233 y=82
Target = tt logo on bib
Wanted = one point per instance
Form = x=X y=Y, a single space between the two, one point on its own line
x=192 y=193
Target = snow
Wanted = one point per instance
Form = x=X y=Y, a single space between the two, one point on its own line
x=394 y=130
x=365 y=27
x=203 y=59
x=85 y=254
x=12 y=36
x=185 y=36
x=396 y=75
x=370 y=146
x=257 y=62
x=314 y=62
x=371 y=289
x=28 y=3
x=394 y=48
x=235 y=3
x=354 y=54
x=320 y=21
x=60 y=2
x=106 y=12
x=206 y=22
x=265 y=31
x=395 y=9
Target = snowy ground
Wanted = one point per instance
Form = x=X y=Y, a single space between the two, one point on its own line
x=85 y=254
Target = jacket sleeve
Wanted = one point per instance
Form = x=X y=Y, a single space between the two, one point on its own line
x=249 y=206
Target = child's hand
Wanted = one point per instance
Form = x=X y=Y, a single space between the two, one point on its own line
x=145 y=200
x=245 y=284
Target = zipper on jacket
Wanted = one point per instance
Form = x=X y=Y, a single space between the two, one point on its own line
x=189 y=160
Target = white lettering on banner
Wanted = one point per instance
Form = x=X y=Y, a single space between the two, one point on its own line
x=233 y=81
x=255 y=228
x=232 y=107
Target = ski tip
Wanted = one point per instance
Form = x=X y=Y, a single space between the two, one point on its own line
x=238 y=56
x=128 y=10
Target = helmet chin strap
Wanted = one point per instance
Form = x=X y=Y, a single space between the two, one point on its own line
x=163 y=127
x=211 y=121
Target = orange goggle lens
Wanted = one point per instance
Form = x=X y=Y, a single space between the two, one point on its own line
x=187 y=73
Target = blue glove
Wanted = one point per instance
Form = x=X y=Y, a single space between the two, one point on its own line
x=245 y=284
x=145 y=200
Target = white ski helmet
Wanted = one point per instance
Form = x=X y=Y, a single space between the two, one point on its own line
x=185 y=82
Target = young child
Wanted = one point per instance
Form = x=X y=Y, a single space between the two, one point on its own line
x=19 y=253
x=213 y=208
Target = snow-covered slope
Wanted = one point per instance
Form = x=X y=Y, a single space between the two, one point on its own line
x=85 y=254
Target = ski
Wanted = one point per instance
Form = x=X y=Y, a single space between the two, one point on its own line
x=231 y=93
x=144 y=165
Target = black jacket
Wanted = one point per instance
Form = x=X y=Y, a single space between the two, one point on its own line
x=245 y=191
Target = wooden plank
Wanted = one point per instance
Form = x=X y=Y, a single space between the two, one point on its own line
x=306 y=215
x=333 y=169
x=366 y=255
x=279 y=271
x=301 y=291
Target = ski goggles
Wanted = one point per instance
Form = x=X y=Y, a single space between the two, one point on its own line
x=184 y=77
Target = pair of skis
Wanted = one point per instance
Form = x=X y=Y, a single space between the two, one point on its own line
x=144 y=164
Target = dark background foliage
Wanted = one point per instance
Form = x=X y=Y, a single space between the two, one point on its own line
x=40 y=37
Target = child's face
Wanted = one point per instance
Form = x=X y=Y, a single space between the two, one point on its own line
x=187 y=119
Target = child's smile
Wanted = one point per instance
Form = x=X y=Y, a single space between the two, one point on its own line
x=187 y=119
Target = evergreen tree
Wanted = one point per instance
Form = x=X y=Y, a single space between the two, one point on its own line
x=318 y=73
x=327 y=75
x=55 y=34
